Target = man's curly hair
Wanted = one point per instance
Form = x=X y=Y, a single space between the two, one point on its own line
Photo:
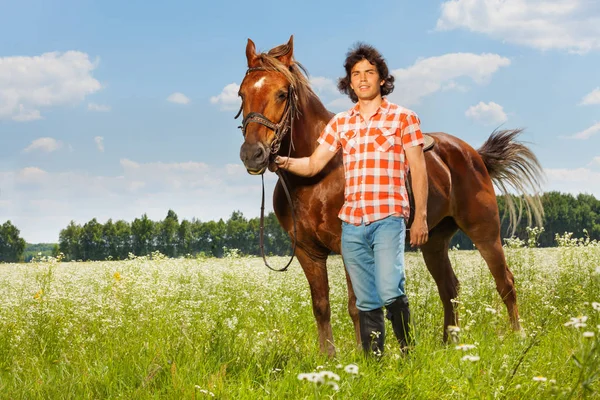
x=363 y=51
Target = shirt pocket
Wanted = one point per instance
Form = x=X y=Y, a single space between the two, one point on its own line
x=385 y=139
x=349 y=142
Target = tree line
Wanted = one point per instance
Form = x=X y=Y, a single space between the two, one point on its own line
x=118 y=239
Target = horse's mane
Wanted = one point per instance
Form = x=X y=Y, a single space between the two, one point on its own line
x=296 y=74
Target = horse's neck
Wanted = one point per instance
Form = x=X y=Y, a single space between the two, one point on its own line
x=308 y=127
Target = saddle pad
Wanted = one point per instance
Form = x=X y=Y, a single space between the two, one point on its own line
x=429 y=142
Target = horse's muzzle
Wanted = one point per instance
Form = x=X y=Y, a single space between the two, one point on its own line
x=255 y=157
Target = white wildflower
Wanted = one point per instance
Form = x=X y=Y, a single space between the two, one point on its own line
x=588 y=334
x=578 y=322
x=465 y=347
x=453 y=329
x=490 y=310
x=204 y=391
x=330 y=375
x=596 y=306
x=311 y=377
x=470 y=358
x=333 y=385
x=351 y=369
x=540 y=379
x=231 y=322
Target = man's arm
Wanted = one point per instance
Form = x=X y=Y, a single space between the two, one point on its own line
x=419 y=232
x=307 y=166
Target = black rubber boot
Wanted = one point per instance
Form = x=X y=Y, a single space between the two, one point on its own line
x=399 y=313
x=372 y=331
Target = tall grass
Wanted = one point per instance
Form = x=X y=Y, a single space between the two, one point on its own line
x=151 y=327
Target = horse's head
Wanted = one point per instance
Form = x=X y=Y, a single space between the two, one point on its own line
x=269 y=101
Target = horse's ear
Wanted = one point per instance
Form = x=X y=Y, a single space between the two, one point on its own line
x=251 y=54
x=286 y=58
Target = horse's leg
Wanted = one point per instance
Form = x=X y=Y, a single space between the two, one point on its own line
x=435 y=253
x=484 y=231
x=352 y=310
x=315 y=269
x=492 y=252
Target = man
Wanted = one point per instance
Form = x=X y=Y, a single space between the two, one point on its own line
x=379 y=141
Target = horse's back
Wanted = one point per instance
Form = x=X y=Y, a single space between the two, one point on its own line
x=456 y=173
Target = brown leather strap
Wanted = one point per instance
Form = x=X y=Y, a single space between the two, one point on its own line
x=262 y=223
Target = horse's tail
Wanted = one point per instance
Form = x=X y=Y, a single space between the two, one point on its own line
x=512 y=164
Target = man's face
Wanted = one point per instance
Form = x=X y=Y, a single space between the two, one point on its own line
x=365 y=80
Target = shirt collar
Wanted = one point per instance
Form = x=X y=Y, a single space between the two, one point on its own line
x=384 y=108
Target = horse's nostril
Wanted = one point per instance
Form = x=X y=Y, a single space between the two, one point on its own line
x=258 y=154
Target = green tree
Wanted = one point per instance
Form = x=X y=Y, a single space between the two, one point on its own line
x=69 y=242
x=185 y=238
x=123 y=239
x=169 y=234
x=237 y=233
x=12 y=245
x=277 y=240
x=142 y=232
x=109 y=239
x=92 y=241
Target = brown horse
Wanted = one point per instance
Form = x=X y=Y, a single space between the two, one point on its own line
x=282 y=114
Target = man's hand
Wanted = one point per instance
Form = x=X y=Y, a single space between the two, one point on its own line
x=281 y=162
x=419 y=232
x=306 y=166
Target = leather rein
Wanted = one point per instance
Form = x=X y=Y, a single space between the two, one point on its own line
x=281 y=129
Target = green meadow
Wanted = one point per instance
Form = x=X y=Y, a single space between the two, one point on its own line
x=229 y=328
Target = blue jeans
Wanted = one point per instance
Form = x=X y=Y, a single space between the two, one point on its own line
x=374 y=258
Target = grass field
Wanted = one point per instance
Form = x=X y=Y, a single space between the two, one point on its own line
x=150 y=328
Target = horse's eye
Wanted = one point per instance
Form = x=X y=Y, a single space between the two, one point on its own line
x=281 y=96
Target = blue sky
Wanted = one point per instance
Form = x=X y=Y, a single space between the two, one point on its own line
x=114 y=109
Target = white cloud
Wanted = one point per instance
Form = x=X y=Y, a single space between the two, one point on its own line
x=28 y=84
x=99 y=140
x=571 y=25
x=322 y=85
x=595 y=162
x=228 y=99
x=24 y=115
x=128 y=164
x=31 y=175
x=46 y=144
x=429 y=75
x=574 y=181
x=586 y=133
x=178 y=98
x=591 y=98
x=43 y=202
x=340 y=104
x=488 y=114
x=98 y=107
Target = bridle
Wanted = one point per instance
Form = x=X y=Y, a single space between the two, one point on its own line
x=285 y=124
x=282 y=127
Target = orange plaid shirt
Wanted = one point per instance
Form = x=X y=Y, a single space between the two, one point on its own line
x=374 y=160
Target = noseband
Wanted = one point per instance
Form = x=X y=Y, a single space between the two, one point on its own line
x=281 y=128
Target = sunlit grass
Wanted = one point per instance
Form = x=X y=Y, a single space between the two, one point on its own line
x=232 y=329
